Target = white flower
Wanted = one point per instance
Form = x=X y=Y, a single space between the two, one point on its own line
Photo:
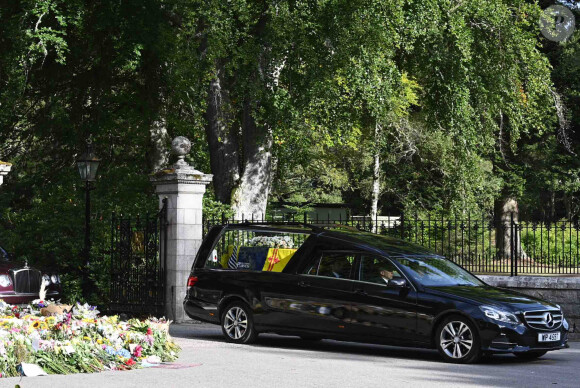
x=271 y=241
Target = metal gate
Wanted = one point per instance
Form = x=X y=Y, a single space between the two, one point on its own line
x=138 y=263
x=483 y=244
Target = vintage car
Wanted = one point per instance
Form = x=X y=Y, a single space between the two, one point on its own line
x=20 y=284
x=348 y=285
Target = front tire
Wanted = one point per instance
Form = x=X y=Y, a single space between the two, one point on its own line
x=457 y=340
x=237 y=323
x=530 y=355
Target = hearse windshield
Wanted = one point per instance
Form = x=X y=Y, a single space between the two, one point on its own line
x=436 y=271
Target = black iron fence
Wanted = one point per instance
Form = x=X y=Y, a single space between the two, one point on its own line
x=138 y=262
x=481 y=244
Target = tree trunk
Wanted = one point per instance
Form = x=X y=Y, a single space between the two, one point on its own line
x=376 y=178
x=222 y=139
x=568 y=206
x=505 y=208
x=159 y=140
x=155 y=91
x=552 y=205
x=250 y=198
x=241 y=154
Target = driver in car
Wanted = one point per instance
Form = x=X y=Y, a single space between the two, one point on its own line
x=388 y=274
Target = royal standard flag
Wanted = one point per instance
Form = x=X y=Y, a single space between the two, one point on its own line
x=277 y=259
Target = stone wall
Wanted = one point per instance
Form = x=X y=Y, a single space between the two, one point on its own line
x=564 y=291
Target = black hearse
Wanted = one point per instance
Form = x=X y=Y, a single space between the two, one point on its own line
x=348 y=285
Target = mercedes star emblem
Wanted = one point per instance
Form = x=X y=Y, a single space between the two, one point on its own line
x=549 y=320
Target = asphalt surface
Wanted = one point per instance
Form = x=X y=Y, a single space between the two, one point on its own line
x=207 y=360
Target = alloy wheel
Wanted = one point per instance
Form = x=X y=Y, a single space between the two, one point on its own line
x=456 y=339
x=236 y=322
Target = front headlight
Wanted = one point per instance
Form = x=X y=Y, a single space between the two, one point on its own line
x=5 y=281
x=46 y=279
x=55 y=279
x=499 y=315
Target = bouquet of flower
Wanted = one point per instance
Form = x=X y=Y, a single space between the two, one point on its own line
x=79 y=340
x=271 y=242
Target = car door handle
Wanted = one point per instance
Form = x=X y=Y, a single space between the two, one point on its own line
x=303 y=284
x=359 y=291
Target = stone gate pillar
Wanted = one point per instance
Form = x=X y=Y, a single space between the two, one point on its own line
x=184 y=187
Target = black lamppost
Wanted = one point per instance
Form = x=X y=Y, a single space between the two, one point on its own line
x=87 y=163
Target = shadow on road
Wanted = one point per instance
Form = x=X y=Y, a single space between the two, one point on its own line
x=338 y=349
x=344 y=363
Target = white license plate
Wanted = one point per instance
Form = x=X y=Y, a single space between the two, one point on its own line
x=548 y=337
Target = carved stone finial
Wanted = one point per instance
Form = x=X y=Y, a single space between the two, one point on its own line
x=181 y=146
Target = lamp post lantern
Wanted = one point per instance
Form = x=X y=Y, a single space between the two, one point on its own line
x=87 y=163
x=4 y=170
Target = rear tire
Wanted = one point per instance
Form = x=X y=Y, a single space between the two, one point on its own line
x=237 y=323
x=457 y=340
x=530 y=355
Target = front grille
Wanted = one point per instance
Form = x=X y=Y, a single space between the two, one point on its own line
x=544 y=320
x=27 y=280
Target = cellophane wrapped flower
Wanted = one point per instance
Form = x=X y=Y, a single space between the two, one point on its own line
x=79 y=341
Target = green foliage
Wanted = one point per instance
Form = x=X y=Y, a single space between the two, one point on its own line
x=555 y=244
x=451 y=102
x=471 y=240
x=213 y=209
x=464 y=94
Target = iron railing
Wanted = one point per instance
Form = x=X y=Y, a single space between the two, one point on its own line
x=481 y=244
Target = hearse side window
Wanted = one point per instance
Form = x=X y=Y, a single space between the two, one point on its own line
x=377 y=270
x=255 y=250
x=332 y=264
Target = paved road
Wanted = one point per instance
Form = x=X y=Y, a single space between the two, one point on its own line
x=207 y=361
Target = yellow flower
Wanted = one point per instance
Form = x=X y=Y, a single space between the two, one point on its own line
x=99 y=341
x=34 y=326
x=51 y=321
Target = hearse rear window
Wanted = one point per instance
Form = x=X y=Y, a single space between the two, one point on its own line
x=255 y=250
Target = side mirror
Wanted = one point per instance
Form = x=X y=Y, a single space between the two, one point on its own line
x=397 y=283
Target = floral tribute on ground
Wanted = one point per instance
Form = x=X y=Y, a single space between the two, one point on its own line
x=60 y=339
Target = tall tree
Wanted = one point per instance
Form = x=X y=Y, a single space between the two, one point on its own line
x=241 y=52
